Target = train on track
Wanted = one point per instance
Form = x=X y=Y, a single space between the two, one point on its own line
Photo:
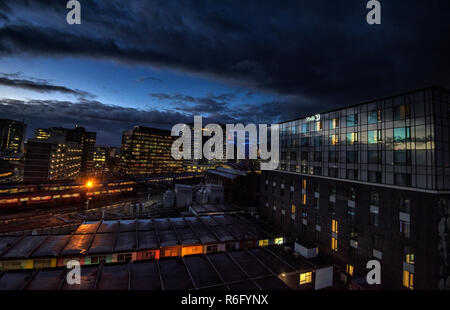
x=22 y=195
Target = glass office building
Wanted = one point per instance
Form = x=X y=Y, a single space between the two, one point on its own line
x=369 y=181
x=147 y=151
x=400 y=140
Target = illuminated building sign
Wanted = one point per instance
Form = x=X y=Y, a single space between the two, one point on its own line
x=314 y=118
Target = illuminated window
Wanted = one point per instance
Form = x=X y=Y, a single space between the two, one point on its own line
x=334 y=245
x=293 y=209
x=409 y=255
x=374 y=136
x=264 y=242
x=352 y=137
x=318 y=125
x=277 y=240
x=334 y=123
x=408 y=279
x=350 y=270
x=304 y=184
x=305 y=278
x=334 y=139
x=409 y=258
x=334 y=226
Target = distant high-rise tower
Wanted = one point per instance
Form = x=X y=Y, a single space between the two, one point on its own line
x=12 y=135
x=147 y=151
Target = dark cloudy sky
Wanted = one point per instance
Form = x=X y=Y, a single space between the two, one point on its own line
x=156 y=63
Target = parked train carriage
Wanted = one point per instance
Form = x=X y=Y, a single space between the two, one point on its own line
x=6 y=190
x=55 y=194
x=39 y=198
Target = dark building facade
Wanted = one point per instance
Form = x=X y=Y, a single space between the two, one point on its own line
x=12 y=135
x=370 y=182
x=78 y=135
x=147 y=151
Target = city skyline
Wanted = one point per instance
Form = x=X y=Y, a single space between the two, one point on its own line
x=156 y=64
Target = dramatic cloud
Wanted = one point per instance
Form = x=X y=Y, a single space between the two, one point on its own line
x=306 y=56
x=323 y=50
x=149 y=78
x=39 y=86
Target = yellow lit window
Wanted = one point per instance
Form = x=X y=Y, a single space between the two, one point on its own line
x=334 y=245
x=318 y=125
x=264 y=242
x=410 y=259
x=408 y=279
x=293 y=209
x=353 y=137
x=334 y=123
x=304 y=199
x=334 y=226
x=304 y=184
x=278 y=240
x=350 y=270
x=334 y=139
x=305 y=278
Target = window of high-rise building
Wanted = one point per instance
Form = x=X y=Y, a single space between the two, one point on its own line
x=402 y=157
x=408 y=279
x=374 y=116
x=374 y=136
x=402 y=134
x=349 y=270
x=334 y=226
x=374 y=157
x=352 y=138
x=317 y=141
x=333 y=156
x=334 y=244
x=318 y=125
x=334 y=123
x=402 y=112
x=334 y=139
x=352 y=120
x=409 y=255
x=352 y=157
x=405 y=228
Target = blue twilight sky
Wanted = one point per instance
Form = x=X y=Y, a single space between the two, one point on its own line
x=157 y=63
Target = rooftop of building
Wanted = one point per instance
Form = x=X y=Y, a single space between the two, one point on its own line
x=153 y=130
x=269 y=268
x=134 y=235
